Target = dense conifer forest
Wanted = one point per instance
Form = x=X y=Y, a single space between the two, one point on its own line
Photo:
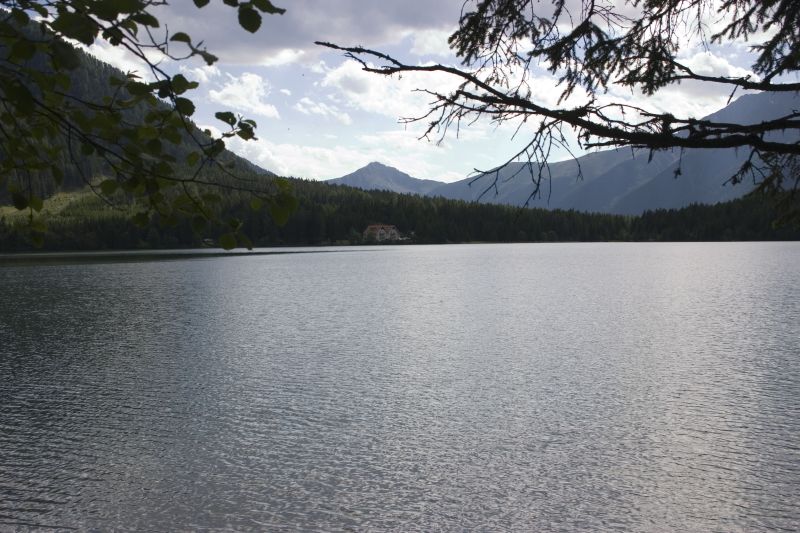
x=329 y=215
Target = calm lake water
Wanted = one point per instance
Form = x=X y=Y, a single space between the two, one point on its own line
x=541 y=387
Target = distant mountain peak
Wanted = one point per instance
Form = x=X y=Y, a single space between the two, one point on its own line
x=377 y=164
x=378 y=176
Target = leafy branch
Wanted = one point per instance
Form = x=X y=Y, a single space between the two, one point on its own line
x=139 y=133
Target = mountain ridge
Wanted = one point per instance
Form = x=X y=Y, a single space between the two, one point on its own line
x=618 y=181
x=377 y=176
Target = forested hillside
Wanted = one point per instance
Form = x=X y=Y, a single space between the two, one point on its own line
x=92 y=80
x=338 y=215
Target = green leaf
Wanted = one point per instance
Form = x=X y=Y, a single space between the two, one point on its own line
x=20 y=17
x=209 y=58
x=62 y=80
x=127 y=6
x=108 y=187
x=249 y=18
x=164 y=88
x=184 y=106
x=256 y=204
x=114 y=36
x=201 y=3
x=215 y=149
x=38 y=226
x=245 y=132
x=21 y=96
x=36 y=203
x=164 y=169
x=245 y=241
x=192 y=158
x=280 y=214
x=138 y=89
x=180 y=84
x=268 y=7
x=146 y=132
x=75 y=26
x=131 y=26
x=226 y=117
x=181 y=37
x=132 y=184
x=146 y=19
x=281 y=207
x=106 y=10
x=172 y=135
x=19 y=200
x=153 y=147
x=22 y=50
x=227 y=241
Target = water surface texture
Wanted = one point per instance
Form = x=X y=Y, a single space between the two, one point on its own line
x=542 y=387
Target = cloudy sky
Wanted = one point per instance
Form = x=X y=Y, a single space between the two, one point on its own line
x=319 y=116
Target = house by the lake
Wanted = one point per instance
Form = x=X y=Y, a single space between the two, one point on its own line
x=381 y=232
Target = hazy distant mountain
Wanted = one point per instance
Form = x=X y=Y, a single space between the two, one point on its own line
x=627 y=182
x=565 y=187
x=620 y=181
x=704 y=172
x=376 y=176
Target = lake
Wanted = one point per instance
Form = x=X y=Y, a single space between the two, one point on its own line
x=530 y=387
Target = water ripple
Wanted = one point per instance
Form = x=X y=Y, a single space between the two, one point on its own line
x=504 y=388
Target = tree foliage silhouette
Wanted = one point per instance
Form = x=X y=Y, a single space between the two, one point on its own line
x=140 y=129
x=592 y=45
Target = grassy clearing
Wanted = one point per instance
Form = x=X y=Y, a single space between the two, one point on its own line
x=53 y=206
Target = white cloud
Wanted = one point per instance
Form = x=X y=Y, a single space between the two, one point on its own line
x=397 y=148
x=202 y=74
x=309 y=107
x=286 y=56
x=709 y=64
x=690 y=98
x=320 y=67
x=247 y=92
x=370 y=23
x=288 y=159
x=121 y=58
x=287 y=92
x=431 y=43
x=394 y=96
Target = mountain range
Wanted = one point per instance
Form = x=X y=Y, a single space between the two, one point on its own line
x=622 y=181
x=613 y=181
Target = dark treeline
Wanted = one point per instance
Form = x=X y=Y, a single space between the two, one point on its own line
x=752 y=218
x=332 y=213
x=338 y=215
